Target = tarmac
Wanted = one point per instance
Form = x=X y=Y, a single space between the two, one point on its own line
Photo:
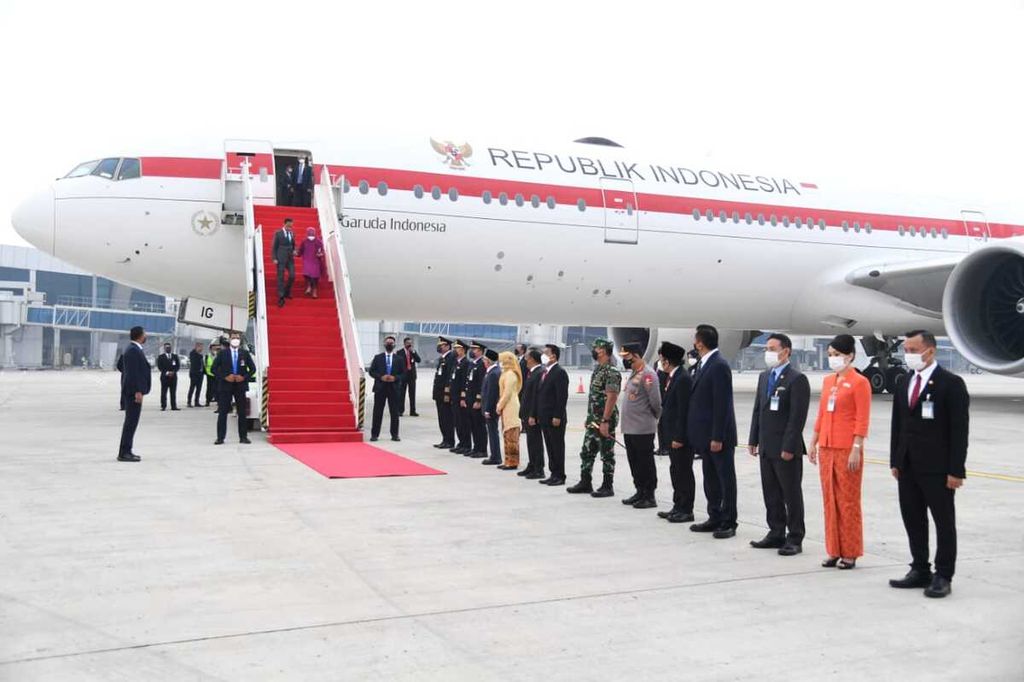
x=239 y=563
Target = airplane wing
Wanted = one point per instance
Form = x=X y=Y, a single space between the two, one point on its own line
x=919 y=284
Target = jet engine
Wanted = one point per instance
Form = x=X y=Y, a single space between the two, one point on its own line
x=730 y=341
x=983 y=307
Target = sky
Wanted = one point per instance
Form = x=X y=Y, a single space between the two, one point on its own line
x=915 y=97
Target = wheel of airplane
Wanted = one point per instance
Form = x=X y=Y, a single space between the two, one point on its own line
x=894 y=377
x=876 y=377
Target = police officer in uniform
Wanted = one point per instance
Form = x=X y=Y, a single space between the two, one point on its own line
x=474 y=400
x=460 y=413
x=442 y=393
x=641 y=410
x=602 y=418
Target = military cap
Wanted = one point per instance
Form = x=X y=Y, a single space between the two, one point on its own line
x=460 y=344
x=441 y=339
x=491 y=355
x=602 y=343
x=477 y=344
x=672 y=352
x=631 y=348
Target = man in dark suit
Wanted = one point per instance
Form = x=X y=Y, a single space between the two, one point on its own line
x=520 y=351
x=168 y=363
x=442 y=393
x=136 y=377
x=776 y=436
x=711 y=427
x=552 y=396
x=283 y=252
x=302 y=192
x=195 y=373
x=460 y=409
x=474 y=400
x=675 y=404
x=286 y=187
x=387 y=387
x=531 y=421
x=408 y=360
x=663 y=448
x=928 y=454
x=489 y=397
x=233 y=369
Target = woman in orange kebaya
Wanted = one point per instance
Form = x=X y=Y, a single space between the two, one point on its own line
x=839 y=432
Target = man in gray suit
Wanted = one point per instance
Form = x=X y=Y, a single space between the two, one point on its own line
x=283 y=250
x=776 y=435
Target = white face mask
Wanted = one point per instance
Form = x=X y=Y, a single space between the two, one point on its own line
x=915 y=361
x=771 y=358
x=235 y=343
x=545 y=359
x=836 y=362
x=691 y=361
x=310 y=237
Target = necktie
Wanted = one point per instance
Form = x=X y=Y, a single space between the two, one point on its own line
x=916 y=393
x=772 y=379
x=408 y=360
x=234 y=362
x=544 y=376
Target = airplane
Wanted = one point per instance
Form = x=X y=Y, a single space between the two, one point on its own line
x=585 y=233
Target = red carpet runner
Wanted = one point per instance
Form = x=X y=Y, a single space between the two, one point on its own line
x=354 y=460
x=308 y=382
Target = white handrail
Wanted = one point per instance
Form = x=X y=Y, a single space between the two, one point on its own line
x=256 y=290
x=338 y=267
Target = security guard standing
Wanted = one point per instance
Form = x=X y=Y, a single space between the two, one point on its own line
x=474 y=399
x=460 y=411
x=641 y=410
x=442 y=393
x=602 y=418
x=211 y=381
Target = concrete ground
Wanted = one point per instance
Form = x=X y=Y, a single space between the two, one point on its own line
x=239 y=563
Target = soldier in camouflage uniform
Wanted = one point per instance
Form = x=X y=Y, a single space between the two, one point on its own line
x=602 y=417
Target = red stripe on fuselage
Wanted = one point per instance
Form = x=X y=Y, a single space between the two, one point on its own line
x=180 y=167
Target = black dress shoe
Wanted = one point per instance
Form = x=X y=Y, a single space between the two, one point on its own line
x=414 y=414
x=790 y=549
x=163 y=409
x=503 y=467
x=396 y=438
x=218 y=442
x=175 y=409
x=666 y=514
x=704 y=527
x=768 y=542
x=458 y=451
x=525 y=472
x=491 y=462
x=477 y=455
x=129 y=458
x=939 y=588
x=680 y=517
x=632 y=499
x=913 y=578
x=645 y=503
x=723 y=533
x=555 y=481
x=441 y=445
x=534 y=475
x=245 y=441
x=373 y=439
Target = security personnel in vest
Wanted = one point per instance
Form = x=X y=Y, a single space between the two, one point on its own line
x=234 y=368
x=442 y=393
x=641 y=409
x=474 y=400
x=460 y=411
x=211 y=381
x=602 y=418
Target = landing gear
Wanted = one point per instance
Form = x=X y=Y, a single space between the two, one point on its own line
x=886 y=372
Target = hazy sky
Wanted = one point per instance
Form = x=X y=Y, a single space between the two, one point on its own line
x=907 y=95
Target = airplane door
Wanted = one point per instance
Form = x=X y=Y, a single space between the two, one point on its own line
x=976 y=226
x=260 y=154
x=621 y=216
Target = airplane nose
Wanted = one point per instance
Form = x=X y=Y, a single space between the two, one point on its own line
x=33 y=219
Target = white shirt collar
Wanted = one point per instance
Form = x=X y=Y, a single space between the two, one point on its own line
x=926 y=375
x=137 y=344
x=673 y=372
x=704 y=360
x=551 y=364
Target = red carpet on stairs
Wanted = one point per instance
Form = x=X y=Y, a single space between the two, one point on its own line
x=309 y=400
x=354 y=460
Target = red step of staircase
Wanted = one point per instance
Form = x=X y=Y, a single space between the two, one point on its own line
x=309 y=398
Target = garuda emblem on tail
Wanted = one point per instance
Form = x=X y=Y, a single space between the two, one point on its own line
x=454 y=155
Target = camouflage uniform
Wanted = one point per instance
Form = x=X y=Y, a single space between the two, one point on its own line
x=604 y=378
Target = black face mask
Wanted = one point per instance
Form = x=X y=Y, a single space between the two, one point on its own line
x=167 y=349
x=627 y=363
x=440 y=348
x=389 y=347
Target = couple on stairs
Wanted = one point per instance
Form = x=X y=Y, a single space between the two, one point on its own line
x=284 y=251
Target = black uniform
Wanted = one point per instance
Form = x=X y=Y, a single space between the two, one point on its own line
x=136 y=375
x=474 y=398
x=408 y=359
x=675 y=404
x=168 y=382
x=460 y=415
x=196 y=372
x=442 y=398
x=227 y=391
x=385 y=393
x=534 y=434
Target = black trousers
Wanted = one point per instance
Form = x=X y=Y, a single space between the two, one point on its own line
x=684 y=485
x=463 y=426
x=285 y=277
x=535 y=448
x=720 y=486
x=445 y=421
x=389 y=397
x=409 y=387
x=640 y=453
x=494 y=437
x=132 y=412
x=479 y=430
x=231 y=392
x=168 y=384
x=783 y=497
x=195 y=383
x=554 y=443
x=211 y=389
x=919 y=494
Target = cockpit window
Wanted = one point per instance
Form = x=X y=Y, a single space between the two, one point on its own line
x=129 y=170
x=82 y=169
x=106 y=168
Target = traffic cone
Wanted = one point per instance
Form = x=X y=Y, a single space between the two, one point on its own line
x=579 y=389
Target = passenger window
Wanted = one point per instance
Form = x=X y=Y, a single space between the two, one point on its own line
x=535 y=201
x=503 y=199
x=486 y=196
x=106 y=168
x=709 y=214
x=364 y=187
x=519 y=200
x=821 y=225
x=722 y=217
x=581 y=204
x=435 y=192
x=418 y=191
x=749 y=218
x=696 y=214
x=551 y=202
x=736 y=217
x=130 y=169
x=760 y=218
x=453 y=194
x=382 y=188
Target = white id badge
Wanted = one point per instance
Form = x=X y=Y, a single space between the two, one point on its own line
x=927 y=410
x=774 y=405
x=831 y=407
